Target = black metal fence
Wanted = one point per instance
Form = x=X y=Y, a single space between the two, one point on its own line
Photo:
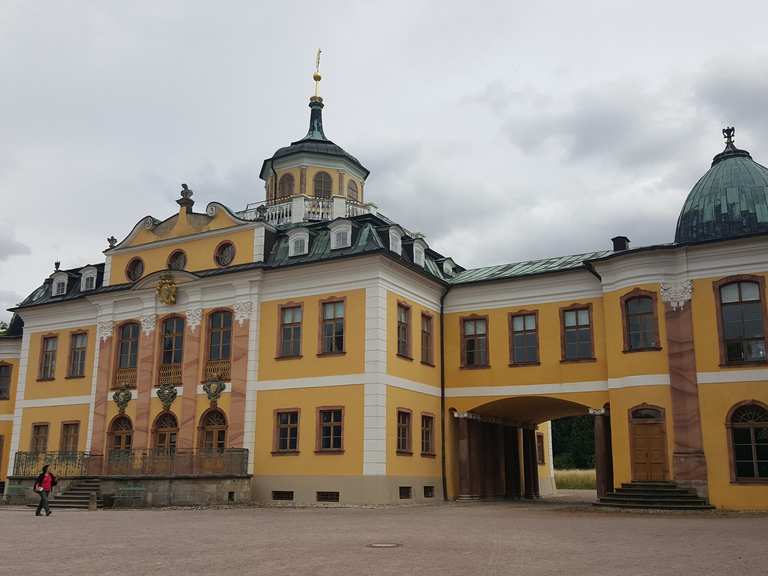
x=228 y=462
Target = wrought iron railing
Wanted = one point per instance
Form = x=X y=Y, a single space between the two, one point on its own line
x=170 y=374
x=125 y=377
x=218 y=370
x=201 y=462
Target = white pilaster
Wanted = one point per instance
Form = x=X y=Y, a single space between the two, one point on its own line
x=21 y=385
x=375 y=393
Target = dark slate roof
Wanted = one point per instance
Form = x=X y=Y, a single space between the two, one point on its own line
x=527 y=268
x=729 y=201
x=44 y=293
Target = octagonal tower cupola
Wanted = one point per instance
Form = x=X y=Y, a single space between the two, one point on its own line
x=730 y=200
x=314 y=167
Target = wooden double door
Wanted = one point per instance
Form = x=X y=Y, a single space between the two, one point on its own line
x=649 y=445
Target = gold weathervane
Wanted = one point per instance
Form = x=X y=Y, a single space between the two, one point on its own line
x=316 y=75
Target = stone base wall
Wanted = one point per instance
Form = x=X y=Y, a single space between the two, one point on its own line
x=181 y=491
x=355 y=490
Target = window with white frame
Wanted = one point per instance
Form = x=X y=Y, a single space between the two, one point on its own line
x=298 y=242
x=87 y=279
x=341 y=234
x=396 y=240
x=60 y=287
x=448 y=267
x=419 y=249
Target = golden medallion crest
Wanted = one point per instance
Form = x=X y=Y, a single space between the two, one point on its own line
x=166 y=290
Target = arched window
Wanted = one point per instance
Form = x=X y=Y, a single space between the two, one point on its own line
x=213 y=431
x=323 y=185
x=647 y=413
x=164 y=433
x=177 y=260
x=352 y=191
x=120 y=434
x=749 y=442
x=741 y=322
x=285 y=186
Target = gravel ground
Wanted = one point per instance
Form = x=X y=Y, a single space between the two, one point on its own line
x=556 y=537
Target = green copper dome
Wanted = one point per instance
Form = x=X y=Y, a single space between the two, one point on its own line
x=730 y=200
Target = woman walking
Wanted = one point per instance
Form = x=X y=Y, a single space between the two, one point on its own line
x=44 y=483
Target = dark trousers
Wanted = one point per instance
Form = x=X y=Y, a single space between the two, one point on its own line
x=43 y=503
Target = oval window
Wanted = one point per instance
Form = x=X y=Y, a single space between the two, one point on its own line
x=225 y=253
x=135 y=269
x=177 y=260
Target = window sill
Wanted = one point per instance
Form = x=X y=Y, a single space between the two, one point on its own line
x=74 y=377
x=342 y=353
x=404 y=452
x=287 y=357
x=45 y=379
x=405 y=357
x=523 y=364
x=285 y=452
x=116 y=387
x=577 y=360
x=648 y=349
x=483 y=367
x=330 y=451
x=430 y=364
x=744 y=363
x=428 y=455
x=748 y=481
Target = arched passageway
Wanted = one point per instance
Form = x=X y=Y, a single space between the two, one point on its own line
x=496 y=446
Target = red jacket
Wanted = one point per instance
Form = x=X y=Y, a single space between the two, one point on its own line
x=46 y=481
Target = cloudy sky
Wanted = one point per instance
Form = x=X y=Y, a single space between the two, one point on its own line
x=503 y=131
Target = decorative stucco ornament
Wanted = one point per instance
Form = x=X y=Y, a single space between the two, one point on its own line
x=148 y=323
x=166 y=290
x=243 y=311
x=104 y=329
x=122 y=397
x=214 y=389
x=194 y=316
x=676 y=294
x=167 y=394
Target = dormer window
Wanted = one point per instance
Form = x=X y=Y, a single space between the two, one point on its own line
x=298 y=242
x=341 y=234
x=396 y=240
x=87 y=279
x=448 y=267
x=419 y=250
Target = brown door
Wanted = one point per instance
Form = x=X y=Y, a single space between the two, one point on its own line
x=649 y=451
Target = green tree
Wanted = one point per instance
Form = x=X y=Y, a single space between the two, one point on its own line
x=573 y=442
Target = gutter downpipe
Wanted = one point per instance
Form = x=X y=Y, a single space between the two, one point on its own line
x=442 y=395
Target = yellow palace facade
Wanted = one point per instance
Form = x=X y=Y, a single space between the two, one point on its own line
x=309 y=349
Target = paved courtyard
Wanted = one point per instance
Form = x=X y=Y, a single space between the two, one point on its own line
x=467 y=539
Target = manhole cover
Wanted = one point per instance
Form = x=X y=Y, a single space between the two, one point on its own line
x=384 y=545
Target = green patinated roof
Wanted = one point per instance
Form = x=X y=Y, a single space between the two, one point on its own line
x=730 y=200
x=527 y=268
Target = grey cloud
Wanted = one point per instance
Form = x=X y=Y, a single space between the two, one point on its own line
x=9 y=246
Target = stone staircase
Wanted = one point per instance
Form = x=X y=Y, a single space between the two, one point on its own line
x=77 y=495
x=654 y=496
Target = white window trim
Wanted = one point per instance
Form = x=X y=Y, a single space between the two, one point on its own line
x=340 y=226
x=56 y=279
x=86 y=273
x=396 y=240
x=420 y=252
x=298 y=234
x=448 y=266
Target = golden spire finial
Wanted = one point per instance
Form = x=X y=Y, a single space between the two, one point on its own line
x=316 y=75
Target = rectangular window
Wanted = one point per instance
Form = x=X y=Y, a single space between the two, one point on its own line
x=524 y=338
x=403 y=331
x=290 y=331
x=77 y=346
x=429 y=491
x=327 y=496
x=577 y=334
x=406 y=492
x=331 y=432
x=129 y=345
x=60 y=288
x=427 y=435
x=332 y=328
x=5 y=381
x=404 y=431
x=90 y=282
x=287 y=431
x=48 y=358
x=39 y=438
x=540 y=448
x=69 y=436
x=173 y=340
x=474 y=343
x=220 y=336
x=427 y=354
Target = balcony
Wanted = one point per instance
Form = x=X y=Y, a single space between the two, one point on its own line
x=135 y=463
x=170 y=374
x=218 y=371
x=304 y=209
x=125 y=377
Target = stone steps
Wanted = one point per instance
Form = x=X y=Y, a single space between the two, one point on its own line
x=78 y=495
x=654 y=496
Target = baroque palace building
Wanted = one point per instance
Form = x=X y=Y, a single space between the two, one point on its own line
x=308 y=348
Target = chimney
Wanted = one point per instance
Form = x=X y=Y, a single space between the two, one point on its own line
x=620 y=243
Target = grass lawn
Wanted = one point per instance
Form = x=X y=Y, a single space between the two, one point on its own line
x=575 y=479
